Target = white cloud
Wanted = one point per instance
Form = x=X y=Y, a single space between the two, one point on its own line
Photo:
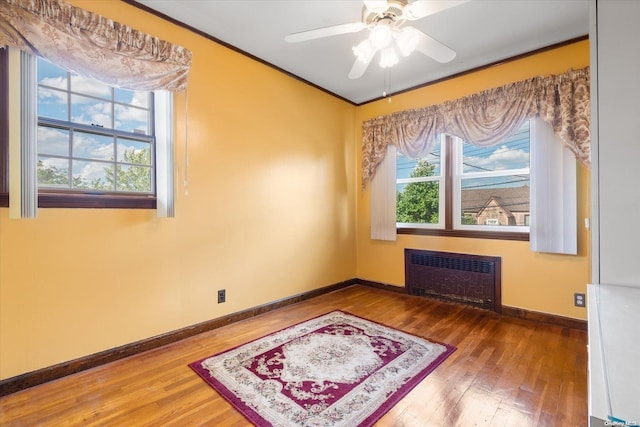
x=57 y=82
x=140 y=99
x=52 y=141
x=48 y=96
x=89 y=86
x=96 y=113
x=131 y=114
x=501 y=158
x=90 y=170
x=89 y=146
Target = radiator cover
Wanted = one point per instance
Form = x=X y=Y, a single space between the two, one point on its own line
x=469 y=279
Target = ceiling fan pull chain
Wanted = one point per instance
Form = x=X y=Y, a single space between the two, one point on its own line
x=386 y=84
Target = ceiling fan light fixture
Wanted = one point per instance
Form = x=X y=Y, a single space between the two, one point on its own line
x=364 y=51
x=407 y=40
x=381 y=35
x=388 y=57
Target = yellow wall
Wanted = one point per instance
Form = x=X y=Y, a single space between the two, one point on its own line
x=270 y=213
x=273 y=209
x=533 y=281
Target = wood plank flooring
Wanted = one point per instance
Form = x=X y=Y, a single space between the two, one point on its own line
x=506 y=372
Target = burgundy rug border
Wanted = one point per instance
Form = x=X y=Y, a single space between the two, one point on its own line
x=227 y=395
x=391 y=401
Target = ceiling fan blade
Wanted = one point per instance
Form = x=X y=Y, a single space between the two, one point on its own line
x=421 y=8
x=333 y=30
x=360 y=66
x=433 y=48
x=376 y=6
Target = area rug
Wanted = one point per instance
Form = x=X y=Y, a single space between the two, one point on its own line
x=334 y=370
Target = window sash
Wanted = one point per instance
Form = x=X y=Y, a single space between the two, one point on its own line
x=456 y=183
x=440 y=179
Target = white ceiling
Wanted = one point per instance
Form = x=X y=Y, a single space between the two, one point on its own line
x=481 y=32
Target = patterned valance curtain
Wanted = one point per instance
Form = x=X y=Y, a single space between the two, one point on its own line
x=93 y=46
x=485 y=118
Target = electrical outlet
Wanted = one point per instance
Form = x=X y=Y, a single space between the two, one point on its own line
x=222 y=296
x=578 y=300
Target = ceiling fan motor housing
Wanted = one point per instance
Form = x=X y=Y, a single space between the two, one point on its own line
x=393 y=14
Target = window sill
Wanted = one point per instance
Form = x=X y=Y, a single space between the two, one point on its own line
x=95 y=201
x=472 y=234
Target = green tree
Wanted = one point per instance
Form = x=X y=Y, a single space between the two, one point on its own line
x=51 y=175
x=468 y=219
x=135 y=178
x=418 y=201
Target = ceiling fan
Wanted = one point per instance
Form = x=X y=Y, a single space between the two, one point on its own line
x=385 y=20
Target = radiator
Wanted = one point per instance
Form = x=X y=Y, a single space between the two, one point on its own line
x=469 y=279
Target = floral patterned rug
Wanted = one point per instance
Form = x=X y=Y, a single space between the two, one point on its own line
x=334 y=370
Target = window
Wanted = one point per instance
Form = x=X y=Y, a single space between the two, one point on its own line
x=97 y=146
x=491 y=184
x=92 y=138
x=465 y=190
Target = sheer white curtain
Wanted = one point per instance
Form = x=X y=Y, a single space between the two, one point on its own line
x=553 y=201
x=165 y=170
x=23 y=191
x=383 y=198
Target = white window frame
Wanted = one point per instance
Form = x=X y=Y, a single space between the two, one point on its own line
x=440 y=179
x=110 y=131
x=459 y=175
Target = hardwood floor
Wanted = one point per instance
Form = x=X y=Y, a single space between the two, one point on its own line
x=505 y=372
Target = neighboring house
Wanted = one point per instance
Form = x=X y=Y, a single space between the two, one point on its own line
x=496 y=206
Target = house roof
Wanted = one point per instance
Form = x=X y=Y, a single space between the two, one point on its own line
x=513 y=199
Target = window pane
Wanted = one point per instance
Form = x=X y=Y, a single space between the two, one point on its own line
x=513 y=153
x=50 y=75
x=92 y=175
x=53 y=104
x=53 y=141
x=53 y=172
x=134 y=178
x=131 y=119
x=418 y=202
x=132 y=151
x=91 y=111
x=92 y=146
x=496 y=201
